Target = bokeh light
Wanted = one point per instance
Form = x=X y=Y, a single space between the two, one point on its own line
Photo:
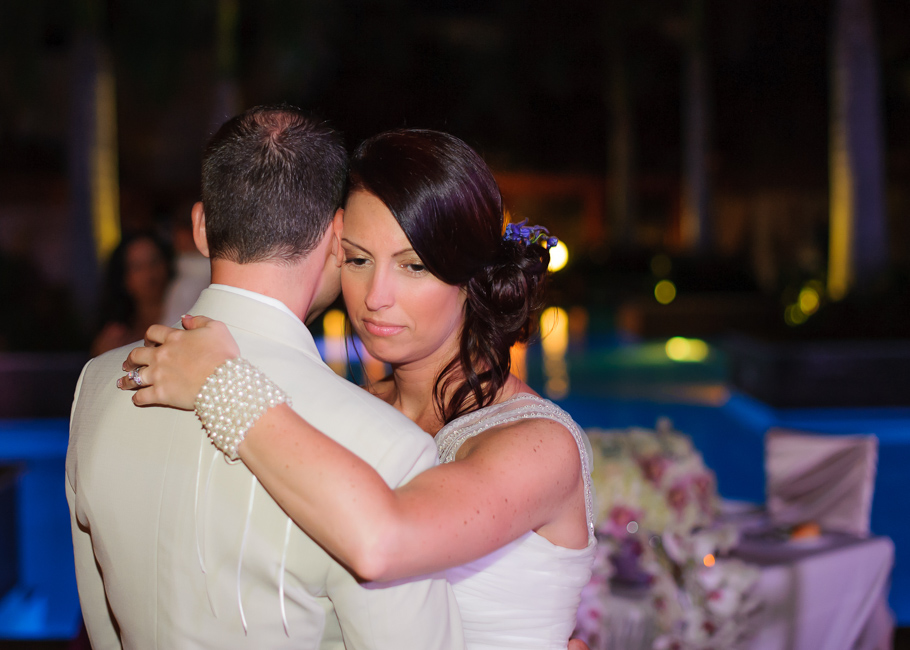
x=554 y=332
x=809 y=300
x=333 y=323
x=684 y=350
x=519 y=356
x=794 y=316
x=335 y=353
x=559 y=257
x=665 y=292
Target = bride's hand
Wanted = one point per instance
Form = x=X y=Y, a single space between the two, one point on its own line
x=174 y=363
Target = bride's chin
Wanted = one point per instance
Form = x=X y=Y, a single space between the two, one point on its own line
x=394 y=356
x=378 y=354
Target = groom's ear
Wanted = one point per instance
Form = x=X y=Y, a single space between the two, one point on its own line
x=337 y=225
x=201 y=241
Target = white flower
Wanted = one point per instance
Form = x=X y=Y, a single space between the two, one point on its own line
x=723 y=602
x=658 y=480
x=709 y=578
x=703 y=544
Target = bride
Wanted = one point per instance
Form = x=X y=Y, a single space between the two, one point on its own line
x=436 y=290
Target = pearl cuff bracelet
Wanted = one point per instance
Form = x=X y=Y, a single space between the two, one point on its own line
x=232 y=399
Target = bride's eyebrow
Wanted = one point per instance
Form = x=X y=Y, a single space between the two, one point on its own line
x=403 y=251
x=345 y=240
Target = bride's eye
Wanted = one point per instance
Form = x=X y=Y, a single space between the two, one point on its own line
x=415 y=268
x=356 y=261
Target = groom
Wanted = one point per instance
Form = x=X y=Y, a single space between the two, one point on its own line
x=177 y=548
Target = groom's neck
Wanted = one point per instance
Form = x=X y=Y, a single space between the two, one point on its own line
x=284 y=282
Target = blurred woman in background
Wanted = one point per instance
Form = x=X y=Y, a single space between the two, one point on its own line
x=136 y=278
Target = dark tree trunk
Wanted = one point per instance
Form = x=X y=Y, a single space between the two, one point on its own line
x=694 y=226
x=621 y=200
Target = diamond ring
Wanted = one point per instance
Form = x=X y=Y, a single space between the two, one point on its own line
x=133 y=375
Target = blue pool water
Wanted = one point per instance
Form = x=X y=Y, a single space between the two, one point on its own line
x=620 y=387
x=44 y=604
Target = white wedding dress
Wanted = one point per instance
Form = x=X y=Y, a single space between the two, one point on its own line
x=526 y=594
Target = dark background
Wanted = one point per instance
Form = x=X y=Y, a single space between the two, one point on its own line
x=527 y=83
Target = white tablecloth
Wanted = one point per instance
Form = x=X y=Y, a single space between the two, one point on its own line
x=826 y=593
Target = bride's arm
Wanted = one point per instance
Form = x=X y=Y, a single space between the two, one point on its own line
x=517 y=478
x=513 y=479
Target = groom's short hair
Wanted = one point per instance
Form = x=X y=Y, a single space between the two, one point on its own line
x=272 y=179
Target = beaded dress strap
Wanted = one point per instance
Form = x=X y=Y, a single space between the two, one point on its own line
x=450 y=438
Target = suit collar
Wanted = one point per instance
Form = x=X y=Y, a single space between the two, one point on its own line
x=252 y=315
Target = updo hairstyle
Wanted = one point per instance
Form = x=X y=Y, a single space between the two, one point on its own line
x=446 y=200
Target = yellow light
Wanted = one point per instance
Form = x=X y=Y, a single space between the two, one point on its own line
x=105 y=184
x=554 y=328
x=554 y=331
x=709 y=560
x=793 y=315
x=841 y=262
x=682 y=349
x=519 y=355
x=333 y=324
x=335 y=352
x=808 y=300
x=559 y=257
x=665 y=292
x=788 y=316
x=678 y=348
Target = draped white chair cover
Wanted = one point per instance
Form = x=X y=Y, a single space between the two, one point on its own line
x=821 y=478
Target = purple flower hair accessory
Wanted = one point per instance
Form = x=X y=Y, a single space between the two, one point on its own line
x=529 y=234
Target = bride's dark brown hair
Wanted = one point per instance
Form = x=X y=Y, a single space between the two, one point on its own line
x=446 y=200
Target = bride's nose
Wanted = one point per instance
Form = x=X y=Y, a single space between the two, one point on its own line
x=380 y=290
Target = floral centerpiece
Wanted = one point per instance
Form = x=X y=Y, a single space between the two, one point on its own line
x=655 y=507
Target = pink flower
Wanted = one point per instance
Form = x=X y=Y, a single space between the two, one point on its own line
x=653 y=467
x=678 y=497
x=620 y=517
x=703 y=486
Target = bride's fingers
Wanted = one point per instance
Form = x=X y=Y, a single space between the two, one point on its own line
x=147 y=397
x=157 y=334
x=161 y=396
x=138 y=357
x=135 y=379
x=195 y=322
x=136 y=366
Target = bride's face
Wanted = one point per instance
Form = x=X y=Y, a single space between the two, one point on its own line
x=401 y=312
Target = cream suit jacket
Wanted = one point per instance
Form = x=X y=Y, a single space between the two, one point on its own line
x=158 y=515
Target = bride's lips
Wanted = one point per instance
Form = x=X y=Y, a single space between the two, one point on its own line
x=381 y=329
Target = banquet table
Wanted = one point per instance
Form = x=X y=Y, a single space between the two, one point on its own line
x=825 y=593
x=829 y=592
